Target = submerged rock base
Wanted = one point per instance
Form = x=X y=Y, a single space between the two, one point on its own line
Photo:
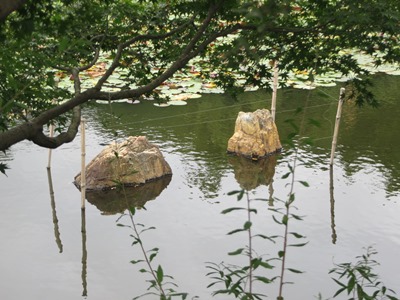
x=130 y=163
x=251 y=174
x=256 y=135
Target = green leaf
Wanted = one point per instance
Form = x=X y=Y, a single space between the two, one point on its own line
x=236 y=252
x=296 y=217
x=294 y=271
x=298 y=245
x=286 y=175
x=235 y=231
x=263 y=279
x=281 y=254
x=296 y=235
x=160 y=274
x=247 y=225
x=233 y=192
x=228 y=210
x=265 y=237
x=285 y=219
x=305 y=183
x=136 y=261
x=3 y=168
x=351 y=284
x=339 y=283
x=339 y=292
x=266 y=265
x=273 y=217
x=152 y=256
x=132 y=209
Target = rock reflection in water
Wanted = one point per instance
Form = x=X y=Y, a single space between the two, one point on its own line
x=251 y=174
x=113 y=201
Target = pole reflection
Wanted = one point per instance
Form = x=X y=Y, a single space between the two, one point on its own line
x=332 y=200
x=54 y=213
x=84 y=253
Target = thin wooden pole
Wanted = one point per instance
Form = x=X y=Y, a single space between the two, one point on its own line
x=54 y=213
x=337 y=123
x=274 y=90
x=83 y=165
x=84 y=253
x=332 y=198
x=51 y=135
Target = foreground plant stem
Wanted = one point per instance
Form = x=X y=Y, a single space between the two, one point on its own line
x=285 y=237
x=250 y=246
x=134 y=227
x=153 y=273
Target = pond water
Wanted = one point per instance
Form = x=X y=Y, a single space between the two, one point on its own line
x=45 y=255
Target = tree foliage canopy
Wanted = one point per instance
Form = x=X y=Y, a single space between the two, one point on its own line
x=40 y=40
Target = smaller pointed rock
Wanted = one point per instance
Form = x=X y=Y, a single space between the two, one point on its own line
x=255 y=135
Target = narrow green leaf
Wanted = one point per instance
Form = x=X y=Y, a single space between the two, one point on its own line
x=233 y=193
x=285 y=219
x=236 y=252
x=235 y=231
x=240 y=195
x=266 y=265
x=298 y=245
x=286 y=175
x=136 y=261
x=305 y=183
x=296 y=235
x=263 y=279
x=296 y=217
x=281 y=254
x=160 y=274
x=350 y=284
x=295 y=271
x=271 y=238
x=291 y=198
x=273 y=217
x=360 y=291
x=152 y=256
x=228 y=210
x=339 y=292
x=339 y=283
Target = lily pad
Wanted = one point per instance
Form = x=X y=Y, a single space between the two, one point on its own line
x=177 y=102
x=161 y=104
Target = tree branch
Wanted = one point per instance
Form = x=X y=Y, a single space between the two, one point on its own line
x=116 y=61
x=42 y=140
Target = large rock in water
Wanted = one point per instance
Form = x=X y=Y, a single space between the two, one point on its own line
x=255 y=135
x=131 y=163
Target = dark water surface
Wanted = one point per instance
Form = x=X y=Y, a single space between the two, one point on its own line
x=44 y=255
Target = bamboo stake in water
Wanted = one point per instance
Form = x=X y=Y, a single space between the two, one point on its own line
x=84 y=253
x=83 y=165
x=51 y=135
x=337 y=123
x=274 y=90
x=332 y=198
